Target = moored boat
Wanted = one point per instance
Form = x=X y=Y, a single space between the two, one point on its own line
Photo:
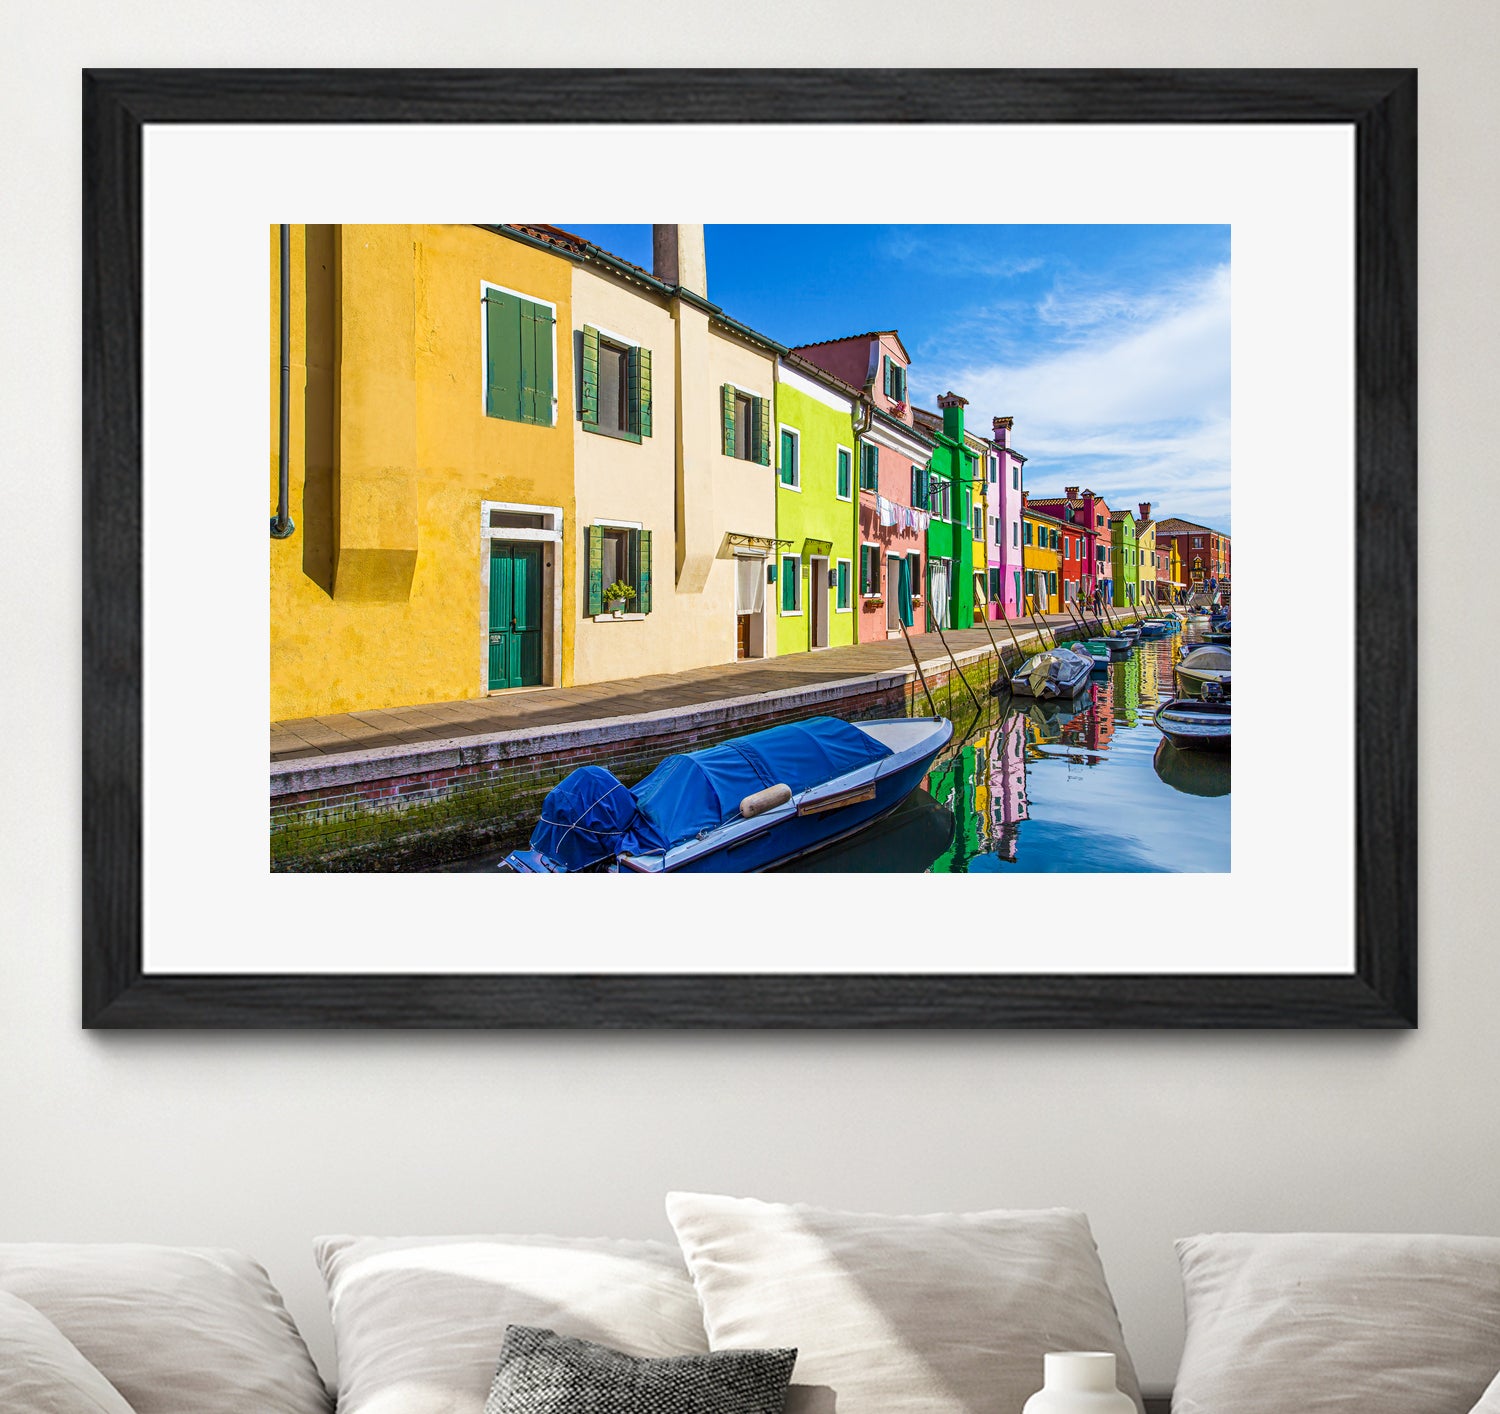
x=1203 y=668
x=1153 y=628
x=747 y=804
x=1192 y=723
x=1059 y=672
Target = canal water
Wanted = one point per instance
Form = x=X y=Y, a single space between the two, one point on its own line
x=1080 y=787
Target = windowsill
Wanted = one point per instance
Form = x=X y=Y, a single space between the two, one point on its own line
x=634 y=437
x=791 y=613
x=788 y=486
x=617 y=618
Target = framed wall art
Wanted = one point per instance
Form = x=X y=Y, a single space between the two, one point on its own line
x=462 y=536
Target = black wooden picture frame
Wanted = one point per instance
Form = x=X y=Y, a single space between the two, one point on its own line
x=1381 y=106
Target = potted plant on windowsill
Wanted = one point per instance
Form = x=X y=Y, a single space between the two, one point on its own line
x=616 y=596
x=873 y=602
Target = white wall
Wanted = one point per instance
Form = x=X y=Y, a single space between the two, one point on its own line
x=262 y=1141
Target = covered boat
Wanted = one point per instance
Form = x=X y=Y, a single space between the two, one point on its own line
x=1191 y=722
x=1059 y=672
x=744 y=805
x=1201 y=668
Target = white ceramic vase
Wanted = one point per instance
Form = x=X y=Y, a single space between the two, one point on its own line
x=1079 y=1382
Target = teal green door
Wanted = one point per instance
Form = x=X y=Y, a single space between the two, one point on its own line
x=515 y=614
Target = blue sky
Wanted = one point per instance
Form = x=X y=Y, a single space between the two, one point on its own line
x=1109 y=345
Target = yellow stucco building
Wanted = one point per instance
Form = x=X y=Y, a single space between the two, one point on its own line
x=1039 y=550
x=430 y=467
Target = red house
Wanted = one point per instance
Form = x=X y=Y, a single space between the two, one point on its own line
x=1204 y=552
x=1085 y=559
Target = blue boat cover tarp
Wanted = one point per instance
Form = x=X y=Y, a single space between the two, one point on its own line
x=584 y=818
x=689 y=794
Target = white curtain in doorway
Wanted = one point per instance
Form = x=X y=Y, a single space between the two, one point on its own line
x=749 y=584
x=941 y=607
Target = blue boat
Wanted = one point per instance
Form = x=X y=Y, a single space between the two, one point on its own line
x=1153 y=628
x=748 y=804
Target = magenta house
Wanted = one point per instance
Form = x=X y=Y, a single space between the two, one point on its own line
x=1004 y=540
x=891 y=457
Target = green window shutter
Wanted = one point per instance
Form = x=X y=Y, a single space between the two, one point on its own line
x=502 y=340
x=536 y=363
x=643 y=572
x=590 y=381
x=845 y=474
x=633 y=393
x=763 y=431
x=726 y=394
x=843 y=576
x=916 y=486
x=641 y=385
x=788 y=458
x=885 y=363
x=596 y=569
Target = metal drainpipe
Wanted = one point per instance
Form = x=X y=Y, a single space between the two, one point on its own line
x=281 y=522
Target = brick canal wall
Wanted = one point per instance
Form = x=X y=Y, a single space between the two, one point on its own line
x=411 y=808
x=403 y=808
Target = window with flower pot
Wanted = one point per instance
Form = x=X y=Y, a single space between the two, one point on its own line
x=869 y=569
x=619 y=569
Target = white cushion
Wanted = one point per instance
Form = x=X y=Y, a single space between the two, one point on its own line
x=1489 y=1401
x=419 y=1321
x=41 y=1371
x=941 y=1314
x=1323 y=1322
x=174 y=1330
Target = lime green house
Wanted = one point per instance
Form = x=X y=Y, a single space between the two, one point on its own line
x=815 y=508
x=1127 y=567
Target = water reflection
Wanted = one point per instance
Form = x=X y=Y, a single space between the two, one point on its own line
x=1192 y=772
x=908 y=841
x=1084 y=786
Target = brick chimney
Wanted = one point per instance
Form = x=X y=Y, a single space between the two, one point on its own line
x=1145 y=510
x=1072 y=493
x=953 y=415
x=677 y=257
x=1001 y=427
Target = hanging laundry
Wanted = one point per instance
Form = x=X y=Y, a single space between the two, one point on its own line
x=887 y=511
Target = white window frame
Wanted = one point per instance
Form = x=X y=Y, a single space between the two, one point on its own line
x=781 y=587
x=484 y=352
x=781 y=429
x=853 y=472
x=875 y=546
x=849 y=580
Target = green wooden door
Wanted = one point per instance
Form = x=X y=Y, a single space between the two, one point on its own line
x=515 y=614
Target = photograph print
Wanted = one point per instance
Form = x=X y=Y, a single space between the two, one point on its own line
x=731 y=548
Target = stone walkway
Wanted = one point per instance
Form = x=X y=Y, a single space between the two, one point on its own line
x=343 y=732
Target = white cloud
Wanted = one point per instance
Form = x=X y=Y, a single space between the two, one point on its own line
x=1136 y=406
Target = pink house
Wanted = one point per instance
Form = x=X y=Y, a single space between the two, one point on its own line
x=1003 y=542
x=891 y=457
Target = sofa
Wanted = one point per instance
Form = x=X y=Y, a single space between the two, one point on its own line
x=765 y=1306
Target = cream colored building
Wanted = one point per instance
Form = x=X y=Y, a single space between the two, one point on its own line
x=673 y=469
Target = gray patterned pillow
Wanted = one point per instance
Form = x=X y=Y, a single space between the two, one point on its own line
x=545 y=1373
